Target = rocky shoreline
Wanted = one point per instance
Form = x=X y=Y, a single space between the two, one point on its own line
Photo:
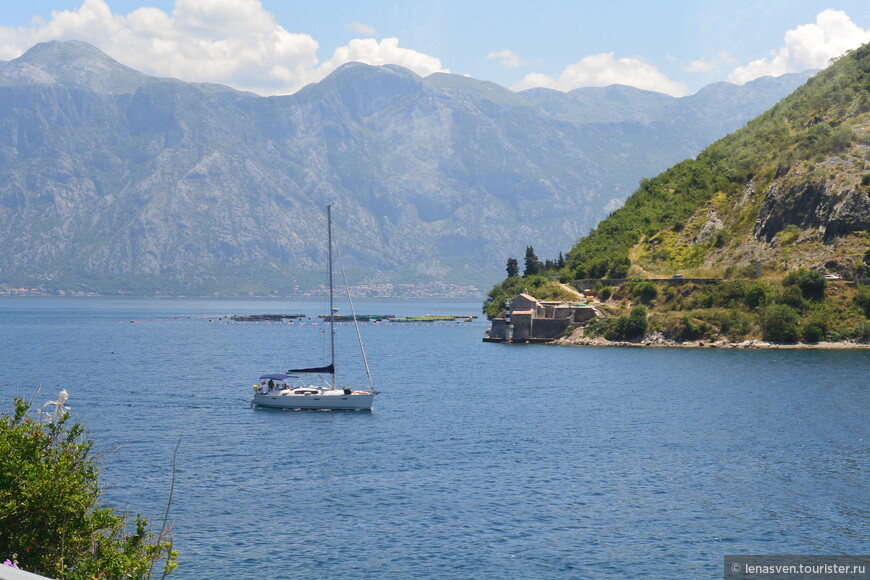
x=657 y=340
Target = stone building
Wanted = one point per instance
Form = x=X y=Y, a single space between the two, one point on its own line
x=528 y=319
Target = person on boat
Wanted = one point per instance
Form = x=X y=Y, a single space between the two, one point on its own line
x=271 y=385
x=347 y=390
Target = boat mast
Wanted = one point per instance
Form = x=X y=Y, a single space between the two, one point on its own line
x=331 y=307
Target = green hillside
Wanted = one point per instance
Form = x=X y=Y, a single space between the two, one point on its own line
x=772 y=222
x=790 y=189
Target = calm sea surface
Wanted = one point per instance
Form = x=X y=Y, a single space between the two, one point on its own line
x=478 y=461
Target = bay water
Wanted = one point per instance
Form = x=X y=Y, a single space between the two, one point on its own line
x=478 y=460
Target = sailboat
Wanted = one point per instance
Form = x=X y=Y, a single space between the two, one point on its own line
x=283 y=391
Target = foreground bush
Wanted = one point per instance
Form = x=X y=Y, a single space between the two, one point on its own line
x=51 y=520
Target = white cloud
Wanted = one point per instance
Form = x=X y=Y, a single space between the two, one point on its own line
x=387 y=51
x=717 y=62
x=601 y=70
x=508 y=58
x=699 y=66
x=360 y=28
x=224 y=18
x=808 y=46
x=233 y=42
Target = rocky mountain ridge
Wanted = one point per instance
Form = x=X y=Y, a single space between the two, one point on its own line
x=114 y=181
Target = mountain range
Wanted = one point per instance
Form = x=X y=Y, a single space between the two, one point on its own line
x=115 y=181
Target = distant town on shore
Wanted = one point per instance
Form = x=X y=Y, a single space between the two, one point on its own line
x=386 y=290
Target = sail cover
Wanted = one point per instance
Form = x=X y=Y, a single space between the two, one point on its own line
x=327 y=370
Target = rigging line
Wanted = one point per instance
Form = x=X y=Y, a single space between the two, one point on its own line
x=331 y=302
x=353 y=313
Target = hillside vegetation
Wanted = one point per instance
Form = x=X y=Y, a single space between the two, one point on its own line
x=788 y=190
x=803 y=307
x=53 y=517
x=768 y=211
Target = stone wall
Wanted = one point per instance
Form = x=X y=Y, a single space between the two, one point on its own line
x=498 y=330
x=549 y=328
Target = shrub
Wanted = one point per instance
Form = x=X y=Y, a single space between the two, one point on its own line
x=707 y=298
x=50 y=511
x=791 y=296
x=616 y=329
x=598 y=327
x=730 y=292
x=814 y=329
x=636 y=324
x=740 y=326
x=623 y=328
x=691 y=329
x=779 y=324
x=645 y=291
x=841 y=138
x=731 y=322
x=605 y=292
x=862 y=299
x=811 y=283
x=746 y=271
x=862 y=331
x=757 y=295
x=611 y=330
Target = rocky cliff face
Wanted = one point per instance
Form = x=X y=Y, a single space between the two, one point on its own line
x=111 y=180
x=833 y=208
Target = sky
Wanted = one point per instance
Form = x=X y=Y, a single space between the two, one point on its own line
x=274 y=47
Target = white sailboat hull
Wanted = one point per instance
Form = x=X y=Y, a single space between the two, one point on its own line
x=275 y=392
x=338 y=400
